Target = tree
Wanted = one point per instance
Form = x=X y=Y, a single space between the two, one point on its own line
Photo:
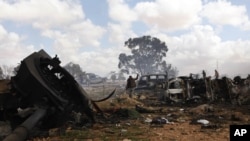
x=6 y=72
x=116 y=76
x=147 y=56
x=113 y=77
x=76 y=71
x=1 y=73
x=121 y=76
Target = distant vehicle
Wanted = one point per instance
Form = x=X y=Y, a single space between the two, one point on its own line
x=151 y=81
x=152 y=84
x=92 y=78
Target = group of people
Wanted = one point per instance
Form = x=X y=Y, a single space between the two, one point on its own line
x=216 y=74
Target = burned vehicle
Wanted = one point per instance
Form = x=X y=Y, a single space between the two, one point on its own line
x=185 y=89
x=178 y=90
x=202 y=87
x=175 y=90
x=235 y=91
x=48 y=94
x=194 y=89
x=182 y=89
x=151 y=83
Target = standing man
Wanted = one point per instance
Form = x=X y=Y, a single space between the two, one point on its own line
x=204 y=74
x=131 y=85
x=216 y=74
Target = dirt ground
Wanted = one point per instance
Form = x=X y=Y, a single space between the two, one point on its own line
x=124 y=123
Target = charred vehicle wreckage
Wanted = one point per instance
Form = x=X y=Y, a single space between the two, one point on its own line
x=169 y=90
x=47 y=95
x=191 y=89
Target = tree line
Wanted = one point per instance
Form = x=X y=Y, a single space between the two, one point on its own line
x=6 y=71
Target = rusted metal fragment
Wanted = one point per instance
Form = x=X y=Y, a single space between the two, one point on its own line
x=21 y=132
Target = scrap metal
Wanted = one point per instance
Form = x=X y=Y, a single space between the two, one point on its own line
x=42 y=84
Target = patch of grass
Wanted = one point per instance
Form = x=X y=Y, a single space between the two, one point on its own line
x=77 y=134
x=109 y=133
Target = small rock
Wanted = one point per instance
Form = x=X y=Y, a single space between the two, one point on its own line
x=124 y=130
x=169 y=115
x=159 y=120
x=203 y=121
x=148 y=120
x=159 y=134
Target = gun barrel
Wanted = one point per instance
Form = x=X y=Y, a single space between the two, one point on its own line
x=22 y=131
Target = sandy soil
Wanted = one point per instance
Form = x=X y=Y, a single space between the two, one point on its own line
x=182 y=124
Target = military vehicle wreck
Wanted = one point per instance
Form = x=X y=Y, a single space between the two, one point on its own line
x=47 y=92
x=187 y=90
x=151 y=84
x=174 y=90
x=191 y=89
x=178 y=90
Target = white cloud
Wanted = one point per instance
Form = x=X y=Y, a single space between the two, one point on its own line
x=234 y=58
x=102 y=61
x=202 y=49
x=65 y=24
x=122 y=16
x=119 y=11
x=168 y=14
x=119 y=33
x=69 y=40
x=80 y=34
x=226 y=14
x=63 y=21
x=42 y=14
x=52 y=17
x=12 y=51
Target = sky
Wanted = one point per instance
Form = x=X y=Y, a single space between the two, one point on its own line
x=200 y=34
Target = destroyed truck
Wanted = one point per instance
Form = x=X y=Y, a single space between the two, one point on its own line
x=151 y=85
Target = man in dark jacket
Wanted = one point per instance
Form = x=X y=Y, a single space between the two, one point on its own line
x=131 y=84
